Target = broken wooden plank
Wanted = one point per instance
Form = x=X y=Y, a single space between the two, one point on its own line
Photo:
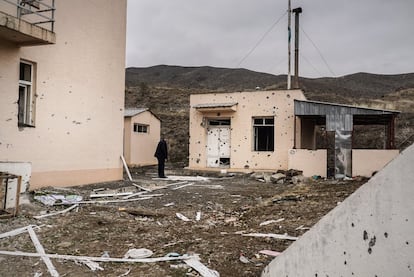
x=182 y=217
x=271 y=221
x=183 y=186
x=17 y=231
x=113 y=201
x=126 y=167
x=97 y=195
x=275 y=236
x=200 y=268
x=134 y=194
x=56 y=213
x=140 y=187
x=270 y=253
x=95 y=259
x=39 y=248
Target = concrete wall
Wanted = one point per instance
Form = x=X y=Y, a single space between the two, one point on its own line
x=79 y=86
x=311 y=162
x=367 y=161
x=139 y=148
x=371 y=233
x=250 y=104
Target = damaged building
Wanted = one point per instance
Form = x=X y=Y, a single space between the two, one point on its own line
x=281 y=130
x=62 y=75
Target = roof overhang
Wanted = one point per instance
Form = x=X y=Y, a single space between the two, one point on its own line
x=216 y=107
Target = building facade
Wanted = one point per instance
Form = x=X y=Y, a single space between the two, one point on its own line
x=281 y=130
x=62 y=89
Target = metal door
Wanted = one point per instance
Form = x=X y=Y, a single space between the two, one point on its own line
x=218 y=146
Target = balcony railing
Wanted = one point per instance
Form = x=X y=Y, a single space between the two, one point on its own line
x=37 y=12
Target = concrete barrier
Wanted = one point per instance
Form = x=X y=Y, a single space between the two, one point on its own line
x=371 y=233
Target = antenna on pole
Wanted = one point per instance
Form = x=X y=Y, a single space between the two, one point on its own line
x=289 y=35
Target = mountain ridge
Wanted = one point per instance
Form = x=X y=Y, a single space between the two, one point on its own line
x=166 y=89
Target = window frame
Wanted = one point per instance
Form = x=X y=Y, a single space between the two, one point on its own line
x=141 y=128
x=26 y=96
x=266 y=122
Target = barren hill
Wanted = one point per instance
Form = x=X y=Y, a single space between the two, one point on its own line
x=166 y=89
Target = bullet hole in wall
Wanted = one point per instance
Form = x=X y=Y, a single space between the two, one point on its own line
x=365 y=235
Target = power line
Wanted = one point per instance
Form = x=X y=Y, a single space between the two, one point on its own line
x=261 y=39
x=319 y=51
x=306 y=60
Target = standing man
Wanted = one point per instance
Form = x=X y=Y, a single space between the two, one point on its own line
x=162 y=155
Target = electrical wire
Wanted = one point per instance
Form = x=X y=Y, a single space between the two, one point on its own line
x=306 y=60
x=261 y=39
x=319 y=51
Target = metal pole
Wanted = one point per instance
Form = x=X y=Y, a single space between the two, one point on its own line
x=297 y=11
x=289 y=35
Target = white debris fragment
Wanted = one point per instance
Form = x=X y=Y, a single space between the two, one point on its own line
x=169 y=204
x=275 y=236
x=182 y=217
x=271 y=221
x=94 y=266
x=198 y=216
x=138 y=253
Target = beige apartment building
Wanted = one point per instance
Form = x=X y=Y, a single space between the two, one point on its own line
x=279 y=130
x=62 y=76
x=142 y=130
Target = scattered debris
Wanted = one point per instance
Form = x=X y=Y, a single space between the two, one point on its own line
x=183 y=186
x=198 y=216
x=92 y=265
x=270 y=253
x=204 y=271
x=182 y=217
x=275 y=236
x=271 y=221
x=125 y=274
x=287 y=198
x=138 y=253
x=142 y=212
x=52 y=199
x=184 y=178
x=169 y=204
x=244 y=259
x=110 y=194
x=301 y=227
x=40 y=250
x=96 y=259
x=126 y=167
x=56 y=213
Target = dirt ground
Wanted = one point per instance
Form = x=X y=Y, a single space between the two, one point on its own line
x=230 y=206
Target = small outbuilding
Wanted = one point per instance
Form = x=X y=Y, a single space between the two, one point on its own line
x=142 y=130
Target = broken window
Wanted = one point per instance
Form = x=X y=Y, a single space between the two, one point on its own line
x=26 y=102
x=141 y=128
x=264 y=133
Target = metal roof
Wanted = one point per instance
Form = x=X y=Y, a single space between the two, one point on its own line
x=306 y=107
x=342 y=117
x=134 y=111
x=215 y=105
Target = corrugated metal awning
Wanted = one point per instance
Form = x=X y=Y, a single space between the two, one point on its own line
x=342 y=117
x=215 y=107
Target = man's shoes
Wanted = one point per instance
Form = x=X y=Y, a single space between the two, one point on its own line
x=162 y=177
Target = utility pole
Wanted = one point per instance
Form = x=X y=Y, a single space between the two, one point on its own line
x=297 y=11
x=289 y=35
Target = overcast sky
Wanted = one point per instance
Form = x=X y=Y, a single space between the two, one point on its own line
x=350 y=36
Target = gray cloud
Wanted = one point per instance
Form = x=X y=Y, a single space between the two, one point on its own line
x=353 y=36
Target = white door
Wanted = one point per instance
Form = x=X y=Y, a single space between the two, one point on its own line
x=218 y=146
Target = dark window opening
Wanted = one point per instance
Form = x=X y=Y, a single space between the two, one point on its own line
x=219 y=122
x=264 y=134
x=141 y=128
